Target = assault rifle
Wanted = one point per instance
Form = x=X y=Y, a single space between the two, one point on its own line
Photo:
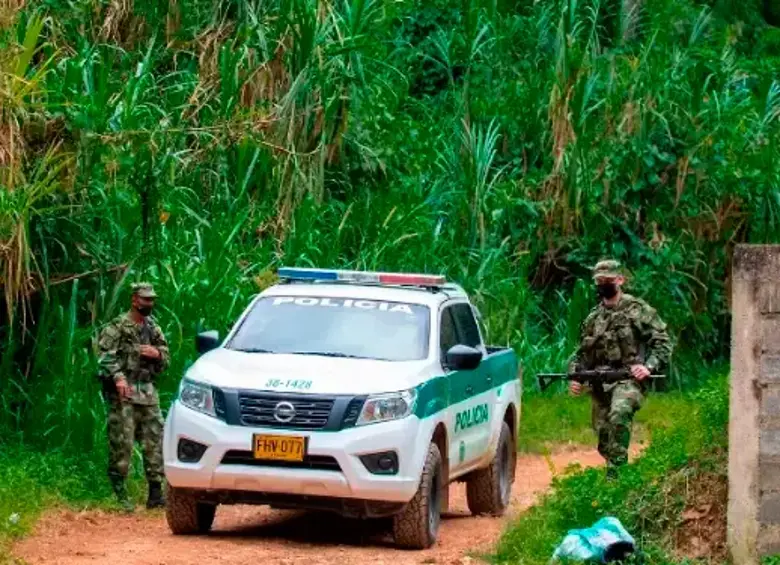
x=604 y=376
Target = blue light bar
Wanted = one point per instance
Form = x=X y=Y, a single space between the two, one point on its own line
x=308 y=274
x=408 y=279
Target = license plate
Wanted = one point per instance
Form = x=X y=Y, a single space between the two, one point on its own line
x=279 y=448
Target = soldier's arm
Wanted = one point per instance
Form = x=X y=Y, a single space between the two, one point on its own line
x=108 y=354
x=656 y=336
x=159 y=341
x=576 y=357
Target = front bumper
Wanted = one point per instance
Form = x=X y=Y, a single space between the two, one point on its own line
x=333 y=470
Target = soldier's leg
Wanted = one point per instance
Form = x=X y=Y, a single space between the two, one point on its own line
x=626 y=400
x=150 y=424
x=600 y=421
x=121 y=432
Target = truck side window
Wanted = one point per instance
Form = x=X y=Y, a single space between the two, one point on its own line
x=447 y=334
x=466 y=325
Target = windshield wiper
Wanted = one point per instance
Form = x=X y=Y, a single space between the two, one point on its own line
x=327 y=354
x=255 y=350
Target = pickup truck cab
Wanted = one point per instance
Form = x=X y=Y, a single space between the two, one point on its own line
x=357 y=392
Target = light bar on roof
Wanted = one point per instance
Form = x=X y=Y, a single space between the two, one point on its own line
x=307 y=274
x=360 y=277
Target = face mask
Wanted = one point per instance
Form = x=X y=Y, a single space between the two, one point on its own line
x=144 y=310
x=606 y=290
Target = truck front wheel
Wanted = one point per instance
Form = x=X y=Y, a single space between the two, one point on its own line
x=187 y=516
x=417 y=526
x=489 y=490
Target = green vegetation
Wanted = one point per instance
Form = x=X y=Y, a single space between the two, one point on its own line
x=683 y=465
x=507 y=144
x=554 y=421
x=550 y=422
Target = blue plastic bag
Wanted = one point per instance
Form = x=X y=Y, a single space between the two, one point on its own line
x=605 y=541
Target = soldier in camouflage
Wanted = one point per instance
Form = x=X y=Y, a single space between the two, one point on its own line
x=132 y=354
x=621 y=332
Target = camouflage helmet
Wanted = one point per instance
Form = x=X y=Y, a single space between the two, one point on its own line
x=144 y=290
x=607 y=268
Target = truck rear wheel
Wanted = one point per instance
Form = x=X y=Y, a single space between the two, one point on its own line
x=187 y=516
x=489 y=490
x=417 y=526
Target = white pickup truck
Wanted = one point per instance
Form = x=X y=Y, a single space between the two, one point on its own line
x=357 y=392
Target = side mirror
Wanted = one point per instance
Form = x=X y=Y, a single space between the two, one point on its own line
x=206 y=341
x=463 y=358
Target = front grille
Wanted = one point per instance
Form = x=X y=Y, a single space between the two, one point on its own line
x=315 y=462
x=257 y=409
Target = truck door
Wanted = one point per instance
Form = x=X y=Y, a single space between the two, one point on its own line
x=470 y=396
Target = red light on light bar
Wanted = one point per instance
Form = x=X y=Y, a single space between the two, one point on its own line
x=421 y=280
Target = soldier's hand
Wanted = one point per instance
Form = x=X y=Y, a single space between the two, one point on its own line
x=575 y=388
x=640 y=372
x=150 y=351
x=123 y=388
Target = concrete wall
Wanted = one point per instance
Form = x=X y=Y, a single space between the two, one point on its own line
x=754 y=411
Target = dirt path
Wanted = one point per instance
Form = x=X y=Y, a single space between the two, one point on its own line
x=248 y=535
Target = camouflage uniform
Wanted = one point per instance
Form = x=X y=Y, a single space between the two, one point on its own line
x=616 y=337
x=139 y=417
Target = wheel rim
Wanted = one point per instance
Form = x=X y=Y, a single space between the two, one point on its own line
x=434 y=499
x=505 y=481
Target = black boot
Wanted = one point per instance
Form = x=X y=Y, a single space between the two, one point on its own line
x=156 y=498
x=118 y=484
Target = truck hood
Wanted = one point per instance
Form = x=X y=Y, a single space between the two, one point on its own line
x=311 y=374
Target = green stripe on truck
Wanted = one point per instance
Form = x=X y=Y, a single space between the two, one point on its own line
x=441 y=392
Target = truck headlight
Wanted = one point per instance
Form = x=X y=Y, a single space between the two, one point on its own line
x=385 y=407
x=197 y=396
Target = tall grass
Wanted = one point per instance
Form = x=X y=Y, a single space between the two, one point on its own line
x=200 y=145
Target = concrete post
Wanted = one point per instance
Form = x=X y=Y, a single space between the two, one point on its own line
x=754 y=409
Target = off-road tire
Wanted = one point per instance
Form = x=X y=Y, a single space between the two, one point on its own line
x=187 y=516
x=417 y=526
x=489 y=490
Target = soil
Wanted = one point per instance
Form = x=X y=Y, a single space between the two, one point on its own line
x=702 y=533
x=251 y=534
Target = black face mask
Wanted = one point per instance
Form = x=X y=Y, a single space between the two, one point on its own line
x=606 y=290
x=144 y=310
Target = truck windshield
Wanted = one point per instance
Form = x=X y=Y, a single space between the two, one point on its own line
x=335 y=327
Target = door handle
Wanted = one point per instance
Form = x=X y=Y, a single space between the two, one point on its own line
x=489 y=379
x=469 y=389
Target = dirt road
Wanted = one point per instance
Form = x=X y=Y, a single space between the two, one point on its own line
x=251 y=535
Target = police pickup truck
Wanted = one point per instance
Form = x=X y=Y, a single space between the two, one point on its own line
x=357 y=392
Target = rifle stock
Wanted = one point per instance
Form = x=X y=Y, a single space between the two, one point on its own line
x=606 y=376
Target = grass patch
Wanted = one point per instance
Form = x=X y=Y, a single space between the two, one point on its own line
x=560 y=420
x=554 y=420
x=688 y=436
x=31 y=482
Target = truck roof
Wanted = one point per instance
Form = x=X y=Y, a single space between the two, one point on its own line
x=368 y=291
